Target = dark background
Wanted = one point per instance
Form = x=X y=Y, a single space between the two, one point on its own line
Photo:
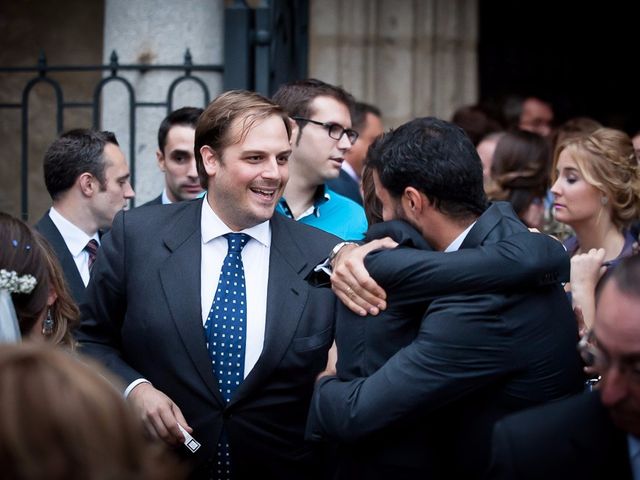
x=581 y=56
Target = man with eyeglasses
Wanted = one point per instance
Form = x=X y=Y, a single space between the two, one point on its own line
x=322 y=136
x=596 y=434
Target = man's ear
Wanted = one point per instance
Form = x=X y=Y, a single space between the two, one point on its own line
x=161 y=160
x=294 y=131
x=210 y=160
x=89 y=184
x=413 y=200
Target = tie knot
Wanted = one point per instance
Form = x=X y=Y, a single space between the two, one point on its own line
x=237 y=241
x=92 y=246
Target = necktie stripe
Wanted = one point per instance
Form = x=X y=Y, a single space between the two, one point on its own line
x=92 y=249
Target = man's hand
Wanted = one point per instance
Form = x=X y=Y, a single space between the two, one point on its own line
x=332 y=360
x=351 y=282
x=159 y=414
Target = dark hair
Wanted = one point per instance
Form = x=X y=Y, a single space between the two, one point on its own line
x=185 y=116
x=626 y=276
x=215 y=123
x=64 y=312
x=476 y=122
x=520 y=169
x=359 y=115
x=436 y=158
x=20 y=252
x=74 y=153
x=296 y=98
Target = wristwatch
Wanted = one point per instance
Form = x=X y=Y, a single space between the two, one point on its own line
x=336 y=250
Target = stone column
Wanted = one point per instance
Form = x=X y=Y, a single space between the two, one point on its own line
x=409 y=57
x=157 y=32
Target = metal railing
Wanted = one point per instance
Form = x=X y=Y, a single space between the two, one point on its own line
x=42 y=71
x=265 y=45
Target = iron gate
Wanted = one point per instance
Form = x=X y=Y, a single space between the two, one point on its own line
x=265 y=45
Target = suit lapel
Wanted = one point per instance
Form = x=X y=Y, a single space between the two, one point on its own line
x=287 y=293
x=49 y=230
x=180 y=280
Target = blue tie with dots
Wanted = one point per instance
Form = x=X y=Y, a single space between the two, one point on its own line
x=225 y=330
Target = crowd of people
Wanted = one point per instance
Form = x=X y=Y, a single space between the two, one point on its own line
x=311 y=297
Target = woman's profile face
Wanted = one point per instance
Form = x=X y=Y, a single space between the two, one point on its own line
x=575 y=200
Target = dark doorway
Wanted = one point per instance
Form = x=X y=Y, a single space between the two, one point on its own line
x=579 y=55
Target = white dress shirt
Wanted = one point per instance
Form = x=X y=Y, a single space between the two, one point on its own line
x=255 y=254
x=165 y=198
x=76 y=240
x=457 y=243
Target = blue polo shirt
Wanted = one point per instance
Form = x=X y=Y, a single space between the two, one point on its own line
x=332 y=213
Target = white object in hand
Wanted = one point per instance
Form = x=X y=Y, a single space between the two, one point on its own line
x=189 y=442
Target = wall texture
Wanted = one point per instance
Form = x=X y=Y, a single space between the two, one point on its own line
x=409 y=57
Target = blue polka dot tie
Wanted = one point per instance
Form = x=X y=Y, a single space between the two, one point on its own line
x=225 y=330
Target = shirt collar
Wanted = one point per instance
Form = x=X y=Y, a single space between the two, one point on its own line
x=75 y=238
x=321 y=196
x=212 y=227
x=455 y=245
x=165 y=198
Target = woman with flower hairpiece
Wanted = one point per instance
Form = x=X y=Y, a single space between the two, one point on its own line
x=34 y=300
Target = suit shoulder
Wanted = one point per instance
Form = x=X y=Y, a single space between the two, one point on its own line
x=154 y=221
x=155 y=201
x=543 y=422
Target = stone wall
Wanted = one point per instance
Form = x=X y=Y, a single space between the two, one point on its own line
x=409 y=57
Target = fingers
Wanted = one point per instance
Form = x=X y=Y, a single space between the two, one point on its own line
x=181 y=420
x=352 y=283
x=364 y=297
x=158 y=413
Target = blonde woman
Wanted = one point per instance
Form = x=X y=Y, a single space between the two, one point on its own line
x=597 y=193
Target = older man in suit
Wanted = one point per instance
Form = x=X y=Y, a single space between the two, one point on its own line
x=476 y=356
x=596 y=434
x=203 y=309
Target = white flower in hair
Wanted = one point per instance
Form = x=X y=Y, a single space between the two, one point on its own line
x=14 y=283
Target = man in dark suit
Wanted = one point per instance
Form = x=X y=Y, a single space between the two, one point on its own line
x=367 y=121
x=176 y=158
x=88 y=179
x=476 y=356
x=150 y=316
x=597 y=434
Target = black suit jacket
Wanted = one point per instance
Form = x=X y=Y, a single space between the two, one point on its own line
x=143 y=319
x=74 y=281
x=573 y=438
x=347 y=186
x=155 y=201
x=476 y=358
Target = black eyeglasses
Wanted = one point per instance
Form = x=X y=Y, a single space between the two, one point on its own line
x=335 y=130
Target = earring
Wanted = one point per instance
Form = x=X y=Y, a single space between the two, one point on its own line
x=47 y=326
x=604 y=200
